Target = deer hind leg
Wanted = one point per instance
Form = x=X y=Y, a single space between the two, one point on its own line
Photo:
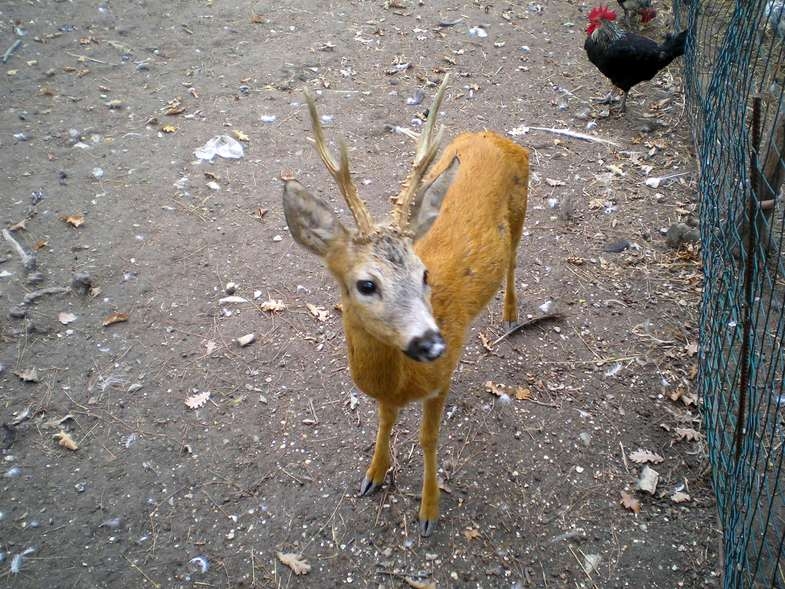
x=510 y=313
x=374 y=476
x=429 y=440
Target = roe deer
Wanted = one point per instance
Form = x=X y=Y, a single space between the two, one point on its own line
x=410 y=287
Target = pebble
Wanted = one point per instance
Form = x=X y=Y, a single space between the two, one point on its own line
x=35 y=278
x=81 y=282
x=17 y=312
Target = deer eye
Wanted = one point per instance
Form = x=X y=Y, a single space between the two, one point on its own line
x=366 y=287
x=425 y=278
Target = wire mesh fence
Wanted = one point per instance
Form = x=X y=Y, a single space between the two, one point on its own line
x=735 y=79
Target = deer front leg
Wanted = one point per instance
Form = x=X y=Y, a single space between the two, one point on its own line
x=374 y=476
x=429 y=440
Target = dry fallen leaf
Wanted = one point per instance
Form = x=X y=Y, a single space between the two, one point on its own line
x=66 y=318
x=273 y=306
x=21 y=226
x=211 y=346
x=630 y=502
x=522 y=393
x=66 y=441
x=319 y=312
x=174 y=107
x=640 y=456
x=680 y=497
x=168 y=128
x=471 y=533
x=296 y=562
x=688 y=434
x=486 y=343
x=240 y=135
x=75 y=220
x=258 y=19
x=495 y=388
x=115 y=318
x=28 y=374
x=691 y=348
x=198 y=400
x=681 y=394
x=40 y=244
x=552 y=182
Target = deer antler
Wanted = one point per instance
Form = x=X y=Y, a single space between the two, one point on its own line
x=340 y=173
x=423 y=157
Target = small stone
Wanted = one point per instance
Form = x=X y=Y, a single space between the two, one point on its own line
x=17 y=312
x=81 y=282
x=585 y=438
x=35 y=278
x=246 y=340
x=230 y=288
x=30 y=263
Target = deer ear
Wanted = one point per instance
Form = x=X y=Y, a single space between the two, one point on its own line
x=429 y=201
x=312 y=224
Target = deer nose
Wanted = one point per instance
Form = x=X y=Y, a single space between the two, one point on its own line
x=426 y=347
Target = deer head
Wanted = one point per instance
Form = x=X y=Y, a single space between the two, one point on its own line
x=384 y=284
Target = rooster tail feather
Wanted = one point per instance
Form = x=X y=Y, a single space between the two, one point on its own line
x=673 y=46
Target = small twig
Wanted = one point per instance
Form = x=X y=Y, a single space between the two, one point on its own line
x=28 y=260
x=324 y=525
x=624 y=457
x=570 y=133
x=580 y=564
x=218 y=507
x=14 y=46
x=141 y=572
x=527 y=323
x=37 y=294
x=86 y=58
x=290 y=475
x=588 y=347
x=402 y=575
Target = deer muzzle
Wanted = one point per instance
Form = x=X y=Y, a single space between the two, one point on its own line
x=426 y=347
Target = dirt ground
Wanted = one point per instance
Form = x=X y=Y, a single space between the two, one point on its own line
x=103 y=106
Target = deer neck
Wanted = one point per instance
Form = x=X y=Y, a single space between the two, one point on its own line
x=377 y=368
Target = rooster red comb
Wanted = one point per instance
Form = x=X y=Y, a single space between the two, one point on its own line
x=601 y=13
x=647 y=14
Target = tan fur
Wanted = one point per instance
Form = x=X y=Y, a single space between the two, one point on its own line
x=468 y=251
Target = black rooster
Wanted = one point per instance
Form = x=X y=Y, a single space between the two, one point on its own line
x=626 y=58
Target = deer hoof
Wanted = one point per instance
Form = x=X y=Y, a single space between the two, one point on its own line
x=367 y=487
x=427 y=526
